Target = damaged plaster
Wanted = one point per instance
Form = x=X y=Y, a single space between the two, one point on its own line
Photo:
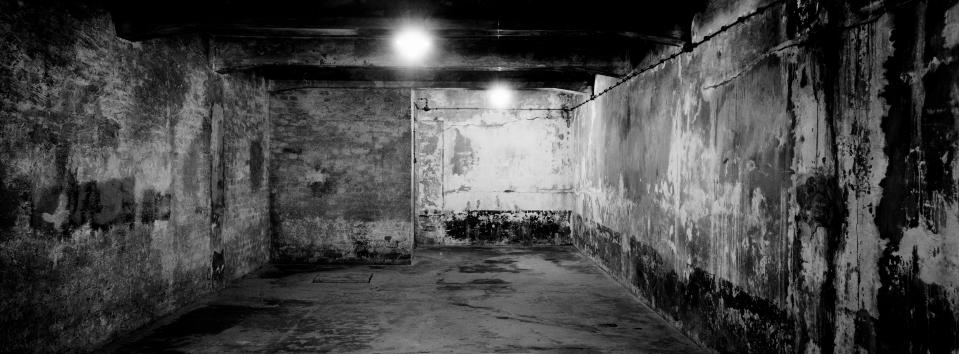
x=788 y=185
x=105 y=177
x=492 y=176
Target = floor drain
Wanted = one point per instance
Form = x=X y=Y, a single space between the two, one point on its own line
x=343 y=278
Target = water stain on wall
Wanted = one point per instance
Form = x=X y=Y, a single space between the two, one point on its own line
x=256 y=165
x=462 y=154
x=806 y=199
x=104 y=177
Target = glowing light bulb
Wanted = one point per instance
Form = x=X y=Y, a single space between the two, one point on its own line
x=499 y=96
x=412 y=44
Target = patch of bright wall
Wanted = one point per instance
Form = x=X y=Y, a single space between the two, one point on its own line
x=492 y=176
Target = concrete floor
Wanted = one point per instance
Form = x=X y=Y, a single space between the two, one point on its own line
x=450 y=300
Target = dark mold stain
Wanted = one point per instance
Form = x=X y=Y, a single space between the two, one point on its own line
x=217 y=265
x=293 y=151
x=256 y=165
x=507 y=227
x=116 y=203
x=462 y=154
x=865 y=331
x=154 y=206
x=700 y=301
x=606 y=245
x=822 y=204
x=101 y=204
x=915 y=316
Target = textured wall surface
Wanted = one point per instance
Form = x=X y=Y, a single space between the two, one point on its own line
x=241 y=198
x=492 y=176
x=341 y=175
x=106 y=151
x=788 y=185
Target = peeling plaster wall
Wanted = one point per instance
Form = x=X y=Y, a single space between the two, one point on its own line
x=106 y=151
x=492 y=176
x=788 y=185
x=340 y=175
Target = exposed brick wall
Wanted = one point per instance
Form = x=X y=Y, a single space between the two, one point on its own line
x=492 y=176
x=105 y=176
x=245 y=238
x=340 y=174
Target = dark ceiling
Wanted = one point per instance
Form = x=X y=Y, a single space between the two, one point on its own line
x=555 y=42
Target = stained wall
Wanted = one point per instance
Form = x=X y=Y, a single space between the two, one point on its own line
x=340 y=175
x=788 y=184
x=106 y=176
x=492 y=176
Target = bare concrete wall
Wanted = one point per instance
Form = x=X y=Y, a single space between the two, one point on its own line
x=788 y=185
x=340 y=175
x=492 y=176
x=106 y=151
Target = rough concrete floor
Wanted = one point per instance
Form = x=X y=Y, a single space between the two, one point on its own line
x=469 y=300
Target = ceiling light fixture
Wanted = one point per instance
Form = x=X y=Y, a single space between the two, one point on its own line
x=499 y=95
x=412 y=44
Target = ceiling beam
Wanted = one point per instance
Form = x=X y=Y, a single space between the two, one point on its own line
x=588 y=55
x=288 y=76
x=665 y=22
x=581 y=87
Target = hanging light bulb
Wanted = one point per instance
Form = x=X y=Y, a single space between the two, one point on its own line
x=499 y=96
x=412 y=44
